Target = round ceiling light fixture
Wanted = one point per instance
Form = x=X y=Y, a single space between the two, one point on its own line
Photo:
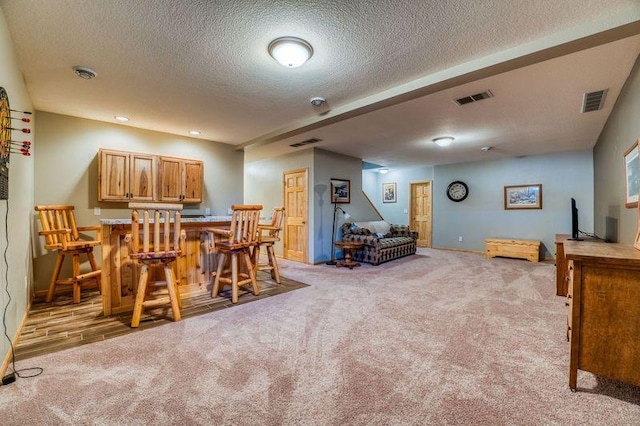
x=194 y=132
x=290 y=51
x=486 y=148
x=443 y=141
x=84 y=72
x=383 y=171
x=121 y=118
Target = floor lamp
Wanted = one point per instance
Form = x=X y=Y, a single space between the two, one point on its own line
x=346 y=216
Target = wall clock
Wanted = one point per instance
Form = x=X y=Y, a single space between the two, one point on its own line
x=457 y=191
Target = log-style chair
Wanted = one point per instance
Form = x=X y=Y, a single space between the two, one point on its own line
x=62 y=234
x=234 y=243
x=268 y=235
x=158 y=243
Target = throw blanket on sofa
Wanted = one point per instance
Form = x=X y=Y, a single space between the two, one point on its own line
x=382 y=241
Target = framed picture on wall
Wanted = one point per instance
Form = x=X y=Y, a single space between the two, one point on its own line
x=389 y=192
x=340 y=191
x=523 y=197
x=631 y=176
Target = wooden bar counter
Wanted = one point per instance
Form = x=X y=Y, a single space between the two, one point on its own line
x=120 y=275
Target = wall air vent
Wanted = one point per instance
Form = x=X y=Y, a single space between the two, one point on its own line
x=593 y=101
x=307 y=142
x=474 y=98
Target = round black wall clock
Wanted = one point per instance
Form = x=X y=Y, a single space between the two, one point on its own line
x=457 y=191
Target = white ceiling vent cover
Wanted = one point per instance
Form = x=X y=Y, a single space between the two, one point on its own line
x=306 y=142
x=474 y=98
x=593 y=101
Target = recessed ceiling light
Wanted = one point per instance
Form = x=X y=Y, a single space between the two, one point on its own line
x=194 y=132
x=383 y=171
x=84 y=72
x=486 y=148
x=443 y=141
x=290 y=51
x=121 y=118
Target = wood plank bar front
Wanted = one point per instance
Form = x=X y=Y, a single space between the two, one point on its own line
x=192 y=269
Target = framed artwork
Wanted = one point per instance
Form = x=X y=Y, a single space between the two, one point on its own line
x=631 y=176
x=523 y=197
x=389 y=194
x=340 y=191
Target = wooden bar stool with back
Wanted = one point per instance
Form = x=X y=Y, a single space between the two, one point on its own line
x=62 y=234
x=159 y=243
x=233 y=244
x=268 y=235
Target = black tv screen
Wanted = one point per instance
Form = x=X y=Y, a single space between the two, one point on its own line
x=575 y=231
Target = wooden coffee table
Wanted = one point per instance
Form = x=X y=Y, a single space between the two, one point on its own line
x=348 y=248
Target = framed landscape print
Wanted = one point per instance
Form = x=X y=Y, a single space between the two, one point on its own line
x=389 y=192
x=340 y=191
x=523 y=197
x=631 y=176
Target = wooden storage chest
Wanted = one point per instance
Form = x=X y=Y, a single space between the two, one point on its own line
x=519 y=249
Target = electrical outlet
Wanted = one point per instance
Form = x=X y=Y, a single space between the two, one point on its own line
x=229 y=211
x=207 y=211
x=406 y=211
x=97 y=211
x=460 y=239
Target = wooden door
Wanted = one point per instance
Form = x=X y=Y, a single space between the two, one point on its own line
x=170 y=179
x=296 y=229
x=142 y=177
x=421 y=212
x=192 y=181
x=113 y=176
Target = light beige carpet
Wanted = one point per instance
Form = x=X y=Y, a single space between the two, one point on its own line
x=436 y=338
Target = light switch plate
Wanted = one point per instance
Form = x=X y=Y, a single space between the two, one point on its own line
x=207 y=211
x=97 y=211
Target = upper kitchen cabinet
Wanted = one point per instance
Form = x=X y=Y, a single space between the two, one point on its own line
x=180 y=180
x=126 y=176
x=129 y=176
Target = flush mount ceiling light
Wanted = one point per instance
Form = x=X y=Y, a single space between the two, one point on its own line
x=194 y=132
x=318 y=101
x=84 y=72
x=383 y=171
x=290 y=51
x=443 y=141
x=121 y=118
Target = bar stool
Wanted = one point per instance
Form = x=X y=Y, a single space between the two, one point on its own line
x=63 y=235
x=237 y=242
x=268 y=235
x=156 y=247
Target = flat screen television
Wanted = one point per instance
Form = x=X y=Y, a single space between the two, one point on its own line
x=575 y=231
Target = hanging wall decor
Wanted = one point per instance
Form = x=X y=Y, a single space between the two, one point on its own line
x=7 y=145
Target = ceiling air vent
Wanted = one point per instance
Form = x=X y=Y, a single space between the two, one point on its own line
x=593 y=101
x=307 y=142
x=474 y=98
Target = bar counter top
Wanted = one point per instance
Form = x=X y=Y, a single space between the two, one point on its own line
x=183 y=219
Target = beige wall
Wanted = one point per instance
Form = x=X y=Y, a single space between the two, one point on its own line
x=67 y=171
x=611 y=218
x=16 y=242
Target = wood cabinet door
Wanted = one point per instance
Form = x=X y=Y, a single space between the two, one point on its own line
x=113 y=176
x=142 y=175
x=170 y=179
x=192 y=181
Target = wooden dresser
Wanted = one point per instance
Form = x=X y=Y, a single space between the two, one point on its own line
x=562 y=264
x=604 y=310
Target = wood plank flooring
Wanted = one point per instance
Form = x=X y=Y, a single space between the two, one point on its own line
x=62 y=325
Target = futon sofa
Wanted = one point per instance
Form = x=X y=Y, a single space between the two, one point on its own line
x=382 y=241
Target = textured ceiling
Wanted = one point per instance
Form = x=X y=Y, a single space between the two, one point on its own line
x=177 y=65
